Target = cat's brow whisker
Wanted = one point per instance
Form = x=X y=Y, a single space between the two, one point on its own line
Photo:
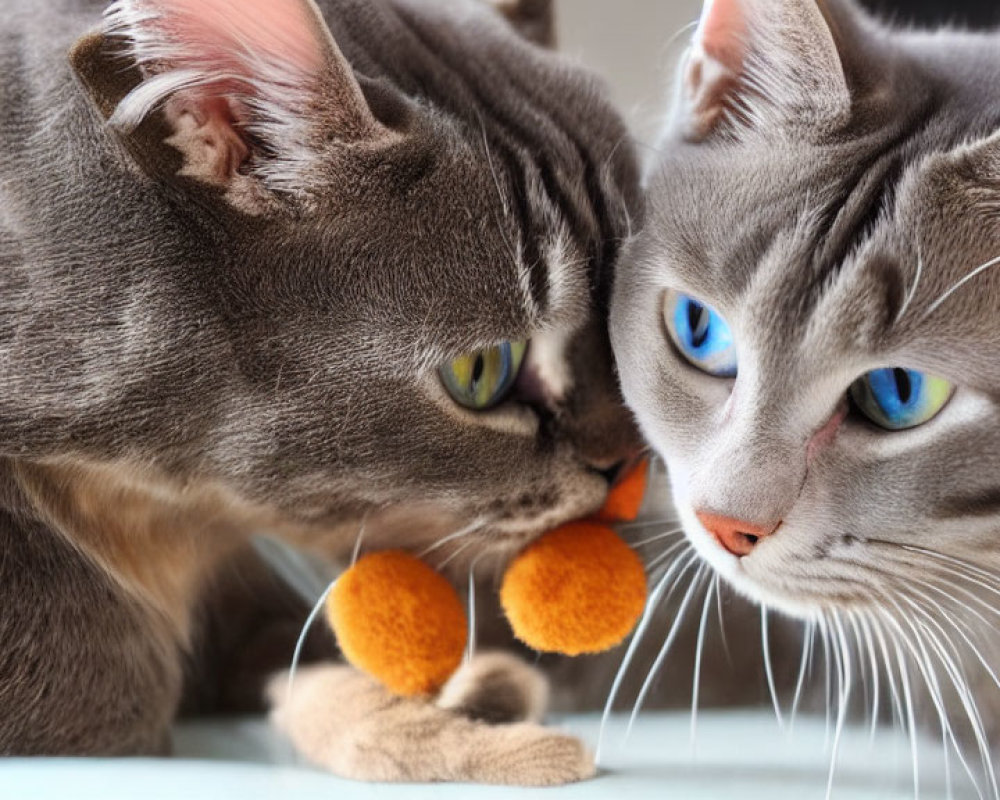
x=975 y=273
x=652 y=604
x=913 y=288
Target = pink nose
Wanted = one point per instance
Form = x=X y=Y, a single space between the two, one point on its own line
x=736 y=535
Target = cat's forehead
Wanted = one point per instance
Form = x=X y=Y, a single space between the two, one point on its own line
x=837 y=250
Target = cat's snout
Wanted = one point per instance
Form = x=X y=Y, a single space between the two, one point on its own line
x=737 y=536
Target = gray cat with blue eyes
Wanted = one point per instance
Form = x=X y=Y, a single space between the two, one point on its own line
x=807 y=330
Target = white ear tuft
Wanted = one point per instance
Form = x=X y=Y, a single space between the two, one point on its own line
x=235 y=73
x=759 y=62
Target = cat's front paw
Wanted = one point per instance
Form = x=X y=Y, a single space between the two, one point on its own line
x=525 y=754
x=344 y=721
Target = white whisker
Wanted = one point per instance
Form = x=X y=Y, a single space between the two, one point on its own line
x=667 y=644
x=357 y=542
x=472 y=527
x=913 y=288
x=957 y=624
x=865 y=621
x=458 y=551
x=844 y=695
x=808 y=631
x=862 y=662
x=977 y=271
x=825 y=641
x=926 y=665
x=722 y=622
x=470 y=647
x=300 y=642
x=652 y=604
x=911 y=723
x=897 y=705
x=657 y=538
x=768 y=667
x=960 y=684
x=646 y=523
x=696 y=680
x=656 y=561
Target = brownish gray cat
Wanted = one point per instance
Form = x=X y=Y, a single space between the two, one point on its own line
x=294 y=268
x=807 y=331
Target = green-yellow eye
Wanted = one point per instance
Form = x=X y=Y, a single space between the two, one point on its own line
x=899 y=399
x=481 y=380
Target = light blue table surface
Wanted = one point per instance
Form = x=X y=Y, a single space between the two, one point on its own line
x=735 y=755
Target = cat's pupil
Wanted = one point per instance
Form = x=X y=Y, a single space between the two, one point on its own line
x=698 y=319
x=903 y=385
x=478 y=368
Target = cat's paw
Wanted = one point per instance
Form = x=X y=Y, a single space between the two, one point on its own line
x=344 y=721
x=525 y=754
x=496 y=688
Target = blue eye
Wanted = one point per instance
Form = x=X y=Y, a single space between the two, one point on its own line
x=701 y=335
x=898 y=399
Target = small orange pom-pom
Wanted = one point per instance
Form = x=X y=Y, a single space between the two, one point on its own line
x=579 y=589
x=625 y=498
x=399 y=621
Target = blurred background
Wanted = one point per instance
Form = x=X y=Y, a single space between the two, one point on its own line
x=634 y=44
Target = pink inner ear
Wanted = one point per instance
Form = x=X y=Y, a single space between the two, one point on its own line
x=722 y=33
x=281 y=38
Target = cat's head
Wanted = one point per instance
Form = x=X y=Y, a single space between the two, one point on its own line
x=807 y=326
x=398 y=220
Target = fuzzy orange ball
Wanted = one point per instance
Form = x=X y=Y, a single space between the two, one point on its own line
x=579 y=589
x=625 y=499
x=399 y=621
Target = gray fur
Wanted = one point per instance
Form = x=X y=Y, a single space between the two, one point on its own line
x=826 y=215
x=181 y=369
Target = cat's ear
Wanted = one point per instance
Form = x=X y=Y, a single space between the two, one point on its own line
x=250 y=90
x=754 y=62
x=533 y=19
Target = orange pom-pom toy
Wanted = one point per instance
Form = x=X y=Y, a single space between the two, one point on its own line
x=400 y=621
x=578 y=589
